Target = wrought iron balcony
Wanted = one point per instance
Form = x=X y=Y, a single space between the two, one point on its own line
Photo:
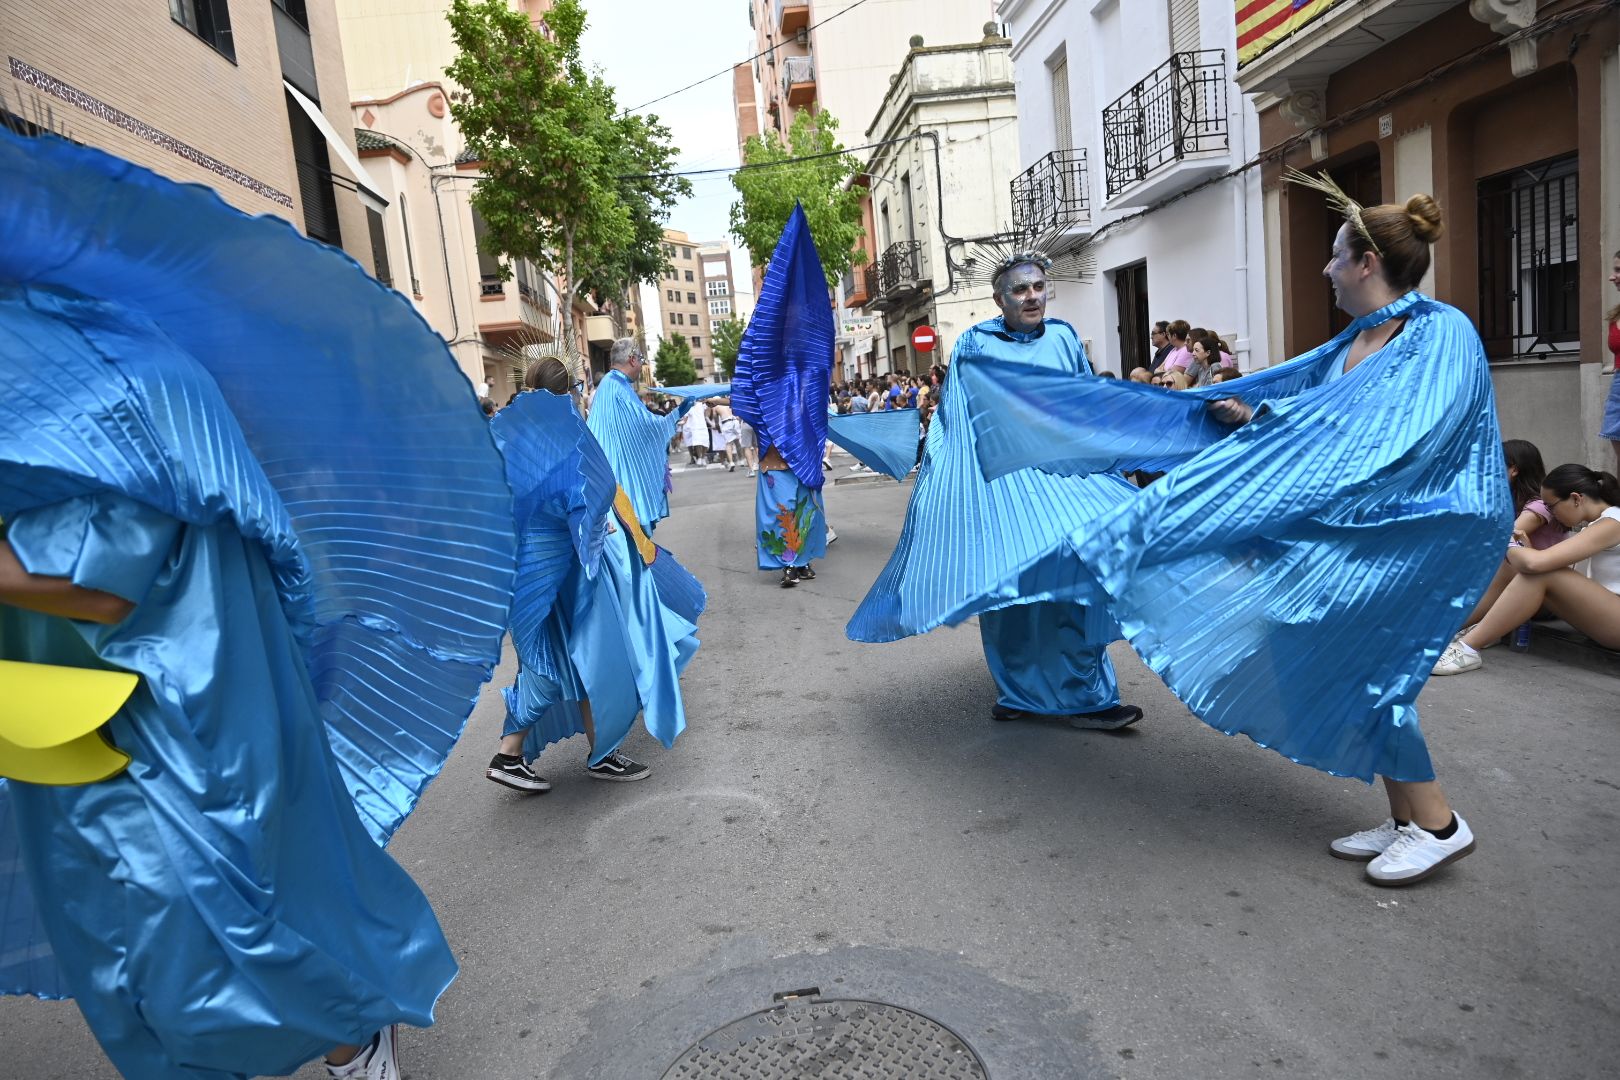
x=491 y=285
x=899 y=276
x=1051 y=194
x=799 y=80
x=1178 y=110
x=870 y=279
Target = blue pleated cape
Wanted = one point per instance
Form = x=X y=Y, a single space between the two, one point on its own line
x=885 y=442
x=969 y=544
x=1296 y=578
x=636 y=442
x=785 y=361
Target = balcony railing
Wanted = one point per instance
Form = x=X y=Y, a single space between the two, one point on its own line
x=870 y=281
x=791 y=15
x=799 y=80
x=1179 y=109
x=896 y=276
x=491 y=285
x=1051 y=194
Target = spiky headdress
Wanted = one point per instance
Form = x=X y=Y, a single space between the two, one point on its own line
x=1063 y=257
x=1337 y=199
x=535 y=342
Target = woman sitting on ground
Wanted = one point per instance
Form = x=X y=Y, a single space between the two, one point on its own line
x=1579 y=498
x=1525 y=476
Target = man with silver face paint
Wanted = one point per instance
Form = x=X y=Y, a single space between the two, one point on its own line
x=998 y=549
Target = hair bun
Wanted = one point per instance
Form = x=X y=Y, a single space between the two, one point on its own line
x=1428 y=224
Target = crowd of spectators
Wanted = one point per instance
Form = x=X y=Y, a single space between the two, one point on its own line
x=1186 y=356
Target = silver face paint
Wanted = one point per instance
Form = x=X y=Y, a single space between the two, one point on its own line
x=1021 y=295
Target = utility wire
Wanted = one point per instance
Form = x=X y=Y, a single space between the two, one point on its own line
x=733 y=67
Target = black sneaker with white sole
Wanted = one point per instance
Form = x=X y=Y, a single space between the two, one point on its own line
x=618 y=767
x=1113 y=719
x=510 y=771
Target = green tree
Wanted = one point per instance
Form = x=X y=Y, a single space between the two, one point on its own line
x=673 y=362
x=767 y=194
x=727 y=341
x=553 y=154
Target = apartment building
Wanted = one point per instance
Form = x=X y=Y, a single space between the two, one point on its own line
x=681 y=305
x=1132 y=132
x=1508 y=112
x=248 y=99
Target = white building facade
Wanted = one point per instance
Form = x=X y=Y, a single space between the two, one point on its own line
x=1129 y=124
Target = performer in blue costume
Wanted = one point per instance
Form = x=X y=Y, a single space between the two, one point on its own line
x=1000 y=549
x=600 y=634
x=1322 y=530
x=634 y=438
x=203 y=485
x=780 y=390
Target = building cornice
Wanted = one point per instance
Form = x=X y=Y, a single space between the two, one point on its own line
x=1021 y=40
x=409 y=90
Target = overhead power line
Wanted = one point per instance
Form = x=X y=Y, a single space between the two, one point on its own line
x=746 y=60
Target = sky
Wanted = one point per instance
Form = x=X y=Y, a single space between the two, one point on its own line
x=646 y=49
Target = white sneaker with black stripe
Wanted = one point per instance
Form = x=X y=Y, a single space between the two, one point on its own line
x=619 y=768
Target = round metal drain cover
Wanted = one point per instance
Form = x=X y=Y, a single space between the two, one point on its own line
x=805 y=1037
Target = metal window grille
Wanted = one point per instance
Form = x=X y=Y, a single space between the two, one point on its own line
x=1052 y=193
x=1179 y=109
x=1529 y=270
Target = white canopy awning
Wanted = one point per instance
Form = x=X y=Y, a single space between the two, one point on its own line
x=365 y=186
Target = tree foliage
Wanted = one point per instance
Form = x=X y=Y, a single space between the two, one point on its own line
x=767 y=195
x=551 y=150
x=673 y=362
x=727 y=341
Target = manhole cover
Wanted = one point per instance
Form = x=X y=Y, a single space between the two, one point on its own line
x=805 y=1037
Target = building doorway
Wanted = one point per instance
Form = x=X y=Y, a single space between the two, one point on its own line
x=1363 y=180
x=1131 y=296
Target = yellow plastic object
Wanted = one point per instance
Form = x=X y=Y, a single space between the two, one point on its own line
x=638 y=536
x=50 y=718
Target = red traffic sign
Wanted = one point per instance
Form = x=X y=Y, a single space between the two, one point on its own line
x=923 y=339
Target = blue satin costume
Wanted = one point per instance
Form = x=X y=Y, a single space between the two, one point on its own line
x=320 y=568
x=591 y=620
x=999 y=549
x=636 y=442
x=1293 y=579
x=784 y=365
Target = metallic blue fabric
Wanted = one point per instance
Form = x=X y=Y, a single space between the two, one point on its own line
x=790 y=519
x=885 y=442
x=969 y=545
x=785 y=362
x=696 y=390
x=590 y=621
x=280 y=463
x=1296 y=578
x=1050 y=658
x=636 y=442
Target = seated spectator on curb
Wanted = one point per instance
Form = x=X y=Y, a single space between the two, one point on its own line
x=1526 y=474
x=1180 y=355
x=1579 y=498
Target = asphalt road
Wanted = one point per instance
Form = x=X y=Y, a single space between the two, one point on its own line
x=1157 y=903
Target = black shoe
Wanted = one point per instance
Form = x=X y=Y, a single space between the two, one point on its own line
x=510 y=771
x=618 y=768
x=1106 y=719
x=789 y=578
x=806 y=573
x=1001 y=712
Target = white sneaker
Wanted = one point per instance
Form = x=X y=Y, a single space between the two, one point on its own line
x=376 y=1062
x=832 y=533
x=1366 y=844
x=1417 y=853
x=1457 y=659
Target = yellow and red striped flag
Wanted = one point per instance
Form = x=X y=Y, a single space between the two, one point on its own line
x=1263 y=23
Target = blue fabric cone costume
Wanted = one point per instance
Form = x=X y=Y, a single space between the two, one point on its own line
x=278 y=463
x=1296 y=578
x=591 y=619
x=780 y=387
x=999 y=548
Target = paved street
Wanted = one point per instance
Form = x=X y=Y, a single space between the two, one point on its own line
x=1157 y=903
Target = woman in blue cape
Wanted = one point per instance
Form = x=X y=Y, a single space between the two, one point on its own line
x=204 y=485
x=999 y=549
x=601 y=633
x=1320 y=532
x=780 y=389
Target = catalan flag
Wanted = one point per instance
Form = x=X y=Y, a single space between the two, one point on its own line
x=1263 y=23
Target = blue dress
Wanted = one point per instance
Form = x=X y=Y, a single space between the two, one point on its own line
x=792 y=521
x=1000 y=549
x=1296 y=578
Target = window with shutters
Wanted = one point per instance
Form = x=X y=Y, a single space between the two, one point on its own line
x=1183 y=25
x=379 y=246
x=314 y=167
x=1529 y=274
x=1062 y=121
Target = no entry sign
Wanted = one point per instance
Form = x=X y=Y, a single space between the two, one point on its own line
x=923 y=339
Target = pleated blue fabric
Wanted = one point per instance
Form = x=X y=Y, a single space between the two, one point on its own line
x=1294 y=579
x=969 y=545
x=884 y=442
x=636 y=442
x=695 y=391
x=279 y=463
x=784 y=364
